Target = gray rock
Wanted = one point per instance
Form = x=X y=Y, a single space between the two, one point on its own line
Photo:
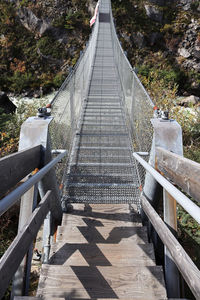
x=154 y=13
x=139 y=40
x=184 y=52
x=185 y=4
x=196 y=67
x=189 y=100
x=196 y=53
x=32 y=22
x=91 y=4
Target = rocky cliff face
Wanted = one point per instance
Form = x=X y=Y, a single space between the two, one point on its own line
x=167 y=29
x=39 y=41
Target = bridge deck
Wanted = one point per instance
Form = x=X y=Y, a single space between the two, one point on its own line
x=101 y=168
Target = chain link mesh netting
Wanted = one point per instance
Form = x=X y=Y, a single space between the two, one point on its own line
x=138 y=105
x=66 y=105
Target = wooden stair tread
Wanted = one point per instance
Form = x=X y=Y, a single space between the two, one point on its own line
x=104 y=208
x=101 y=212
x=37 y=298
x=122 y=254
x=69 y=298
x=70 y=220
x=98 y=282
x=101 y=235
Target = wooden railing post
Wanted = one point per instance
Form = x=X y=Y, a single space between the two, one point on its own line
x=168 y=135
x=171 y=272
x=35 y=131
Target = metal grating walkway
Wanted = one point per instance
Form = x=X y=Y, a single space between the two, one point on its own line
x=101 y=168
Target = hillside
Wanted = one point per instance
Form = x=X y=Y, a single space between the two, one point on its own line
x=40 y=41
x=162 y=39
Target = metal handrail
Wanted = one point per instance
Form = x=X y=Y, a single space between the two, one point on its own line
x=183 y=200
x=15 y=195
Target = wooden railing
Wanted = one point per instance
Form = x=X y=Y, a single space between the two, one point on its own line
x=16 y=166
x=13 y=169
x=185 y=174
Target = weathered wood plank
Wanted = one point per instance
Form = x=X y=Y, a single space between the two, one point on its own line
x=182 y=171
x=102 y=282
x=171 y=271
x=102 y=235
x=104 y=213
x=16 y=166
x=75 y=220
x=55 y=298
x=189 y=271
x=13 y=256
x=123 y=254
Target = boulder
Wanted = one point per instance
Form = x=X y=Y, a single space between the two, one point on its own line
x=154 y=13
x=7 y=105
x=186 y=101
x=185 y=4
x=139 y=40
x=32 y=22
x=196 y=67
x=91 y=4
x=184 y=52
x=196 y=53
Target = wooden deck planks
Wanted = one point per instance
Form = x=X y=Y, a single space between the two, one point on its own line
x=122 y=254
x=99 y=255
x=102 y=282
x=102 y=235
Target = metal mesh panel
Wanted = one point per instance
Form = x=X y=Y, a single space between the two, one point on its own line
x=139 y=106
x=66 y=105
x=100 y=114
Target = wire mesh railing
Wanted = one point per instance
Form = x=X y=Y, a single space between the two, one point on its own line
x=138 y=104
x=66 y=105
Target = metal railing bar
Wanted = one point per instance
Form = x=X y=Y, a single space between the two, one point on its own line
x=57 y=151
x=143 y=153
x=183 y=200
x=15 y=195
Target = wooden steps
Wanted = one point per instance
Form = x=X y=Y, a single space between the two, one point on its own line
x=101 y=252
x=122 y=254
x=102 y=282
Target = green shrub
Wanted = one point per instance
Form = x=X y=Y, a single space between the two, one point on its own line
x=50 y=47
x=58 y=80
x=74 y=19
x=20 y=81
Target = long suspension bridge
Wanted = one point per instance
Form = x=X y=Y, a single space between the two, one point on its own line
x=101 y=161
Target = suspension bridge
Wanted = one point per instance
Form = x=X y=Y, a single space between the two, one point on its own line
x=101 y=161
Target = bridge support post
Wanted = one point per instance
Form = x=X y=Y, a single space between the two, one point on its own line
x=35 y=131
x=168 y=135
